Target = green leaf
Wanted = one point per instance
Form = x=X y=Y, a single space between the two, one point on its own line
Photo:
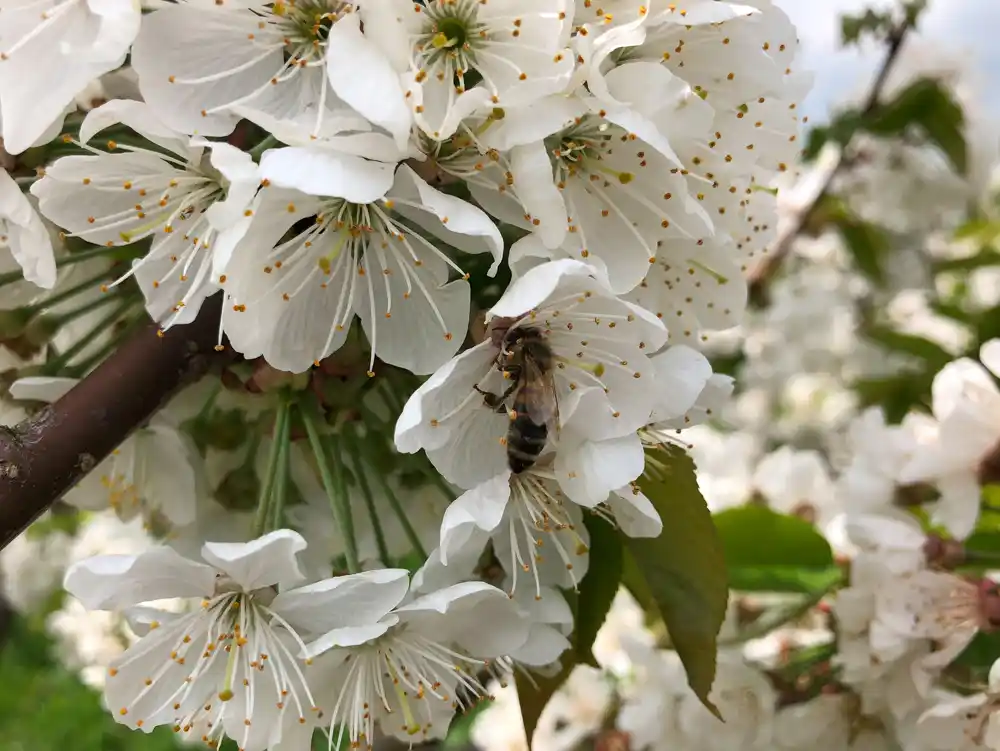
x=790 y=579
x=917 y=346
x=853 y=27
x=867 y=244
x=757 y=537
x=599 y=586
x=898 y=394
x=928 y=105
x=534 y=693
x=684 y=569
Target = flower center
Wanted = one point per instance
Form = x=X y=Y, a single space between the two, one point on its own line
x=448 y=42
x=227 y=646
x=538 y=518
x=577 y=151
x=396 y=678
x=307 y=22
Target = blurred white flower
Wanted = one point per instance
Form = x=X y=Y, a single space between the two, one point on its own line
x=152 y=474
x=77 y=40
x=966 y=405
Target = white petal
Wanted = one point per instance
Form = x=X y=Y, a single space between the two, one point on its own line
x=455 y=221
x=139 y=117
x=543 y=646
x=377 y=94
x=355 y=600
x=536 y=189
x=240 y=170
x=681 y=375
x=165 y=472
x=27 y=238
x=259 y=563
x=634 y=514
x=192 y=42
x=418 y=425
x=109 y=582
x=524 y=125
x=411 y=318
x=958 y=508
x=464 y=605
x=989 y=353
x=349 y=636
x=542 y=282
x=589 y=471
x=480 y=508
x=41 y=388
x=324 y=173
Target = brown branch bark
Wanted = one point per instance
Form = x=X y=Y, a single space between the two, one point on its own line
x=44 y=456
x=768 y=268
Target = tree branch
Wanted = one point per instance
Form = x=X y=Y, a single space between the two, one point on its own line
x=44 y=456
x=768 y=268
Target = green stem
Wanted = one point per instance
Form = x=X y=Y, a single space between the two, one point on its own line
x=334 y=484
x=765 y=625
x=280 y=490
x=397 y=507
x=268 y=143
x=63 y=359
x=78 y=257
x=359 y=471
x=264 y=513
x=89 y=307
x=84 y=286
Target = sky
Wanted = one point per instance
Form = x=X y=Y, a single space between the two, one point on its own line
x=963 y=32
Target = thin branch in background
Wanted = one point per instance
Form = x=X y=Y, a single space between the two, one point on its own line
x=762 y=275
x=44 y=456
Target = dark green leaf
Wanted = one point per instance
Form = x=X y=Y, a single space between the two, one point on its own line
x=840 y=130
x=684 y=568
x=853 y=27
x=534 y=693
x=898 y=394
x=927 y=105
x=757 y=537
x=867 y=245
x=782 y=578
x=917 y=346
x=599 y=586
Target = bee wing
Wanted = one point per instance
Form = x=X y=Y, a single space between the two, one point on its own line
x=543 y=406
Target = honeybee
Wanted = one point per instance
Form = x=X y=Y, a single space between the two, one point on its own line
x=526 y=358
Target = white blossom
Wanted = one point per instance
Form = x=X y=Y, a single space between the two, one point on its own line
x=182 y=195
x=363 y=253
x=218 y=666
x=51 y=50
x=599 y=344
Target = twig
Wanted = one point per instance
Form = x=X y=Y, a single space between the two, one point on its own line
x=44 y=456
x=766 y=270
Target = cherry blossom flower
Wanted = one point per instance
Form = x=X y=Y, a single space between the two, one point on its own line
x=362 y=254
x=182 y=195
x=230 y=665
x=49 y=51
x=599 y=344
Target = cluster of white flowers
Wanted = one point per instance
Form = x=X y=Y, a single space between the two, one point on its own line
x=313 y=162
x=870 y=661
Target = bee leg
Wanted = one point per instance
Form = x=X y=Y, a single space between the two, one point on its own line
x=491 y=400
